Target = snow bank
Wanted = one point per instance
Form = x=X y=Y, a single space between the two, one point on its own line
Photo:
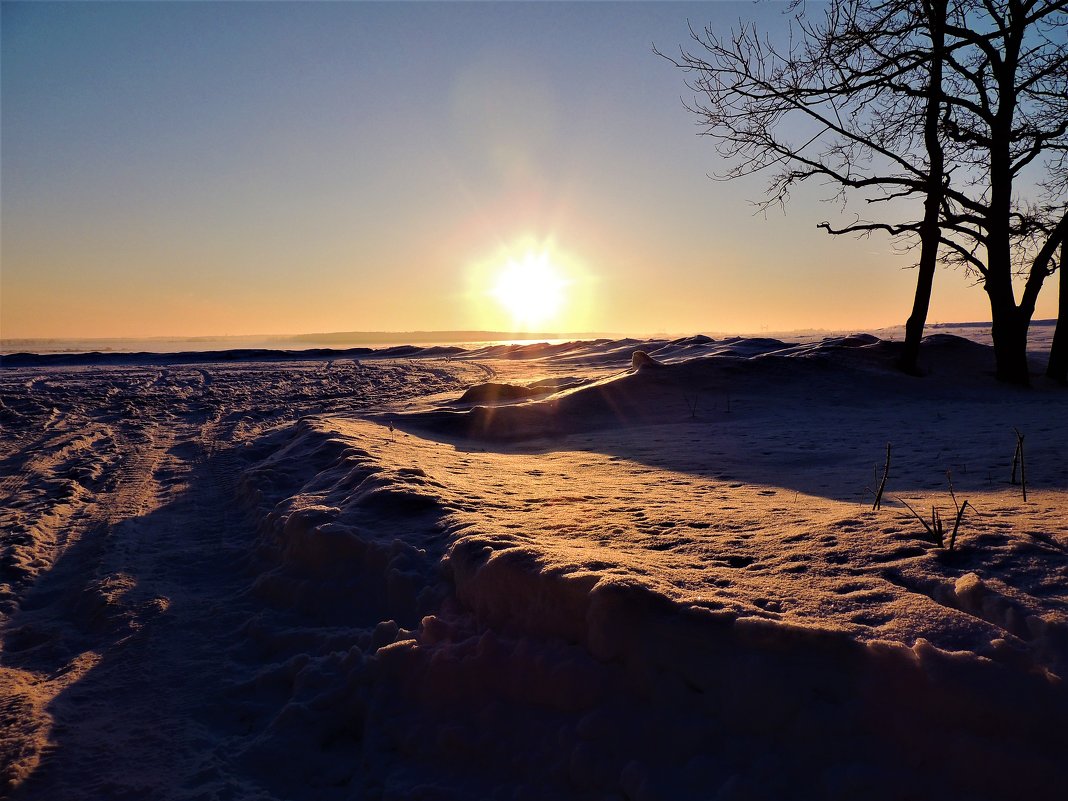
x=350 y=540
x=633 y=599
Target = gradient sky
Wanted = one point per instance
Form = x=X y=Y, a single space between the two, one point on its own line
x=182 y=169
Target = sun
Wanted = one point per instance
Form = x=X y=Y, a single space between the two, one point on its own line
x=531 y=289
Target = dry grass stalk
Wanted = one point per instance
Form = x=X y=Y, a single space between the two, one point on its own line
x=691 y=405
x=1018 y=458
x=936 y=530
x=882 y=484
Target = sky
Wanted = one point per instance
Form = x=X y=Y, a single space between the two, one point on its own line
x=206 y=169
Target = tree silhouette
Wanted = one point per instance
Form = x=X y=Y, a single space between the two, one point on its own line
x=1008 y=110
x=894 y=102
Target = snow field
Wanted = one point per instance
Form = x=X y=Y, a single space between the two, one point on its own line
x=585 y=611
x=531 y=572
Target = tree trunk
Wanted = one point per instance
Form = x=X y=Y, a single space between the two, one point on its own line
x=1008 y=325
x=1009 y=332
x=930 y=231
x=1057 y=369
x=1008 y=329
x=908 y=362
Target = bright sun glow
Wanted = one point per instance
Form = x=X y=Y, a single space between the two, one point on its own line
x=531 y=289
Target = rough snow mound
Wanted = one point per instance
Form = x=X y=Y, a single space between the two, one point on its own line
x=349 y=547
x=641 y=360
x=496 y=393
x=851 y=370
x=657 y=637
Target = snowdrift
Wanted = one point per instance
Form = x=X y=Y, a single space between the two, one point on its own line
x=667 y=584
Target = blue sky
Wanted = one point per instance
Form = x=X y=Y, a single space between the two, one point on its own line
x=211 y=168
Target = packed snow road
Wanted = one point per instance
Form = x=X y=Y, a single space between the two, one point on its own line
x=125 y=555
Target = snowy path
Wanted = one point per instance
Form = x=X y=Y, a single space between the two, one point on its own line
x=125 y=560
x=118 y=644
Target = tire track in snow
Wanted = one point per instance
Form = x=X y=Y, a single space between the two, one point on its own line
x=114 y=586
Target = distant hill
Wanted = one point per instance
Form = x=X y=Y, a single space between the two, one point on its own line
x=411 y=337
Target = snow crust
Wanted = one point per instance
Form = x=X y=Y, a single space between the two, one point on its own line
x=543 y=571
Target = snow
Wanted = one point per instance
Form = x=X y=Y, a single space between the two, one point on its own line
x=533 y=571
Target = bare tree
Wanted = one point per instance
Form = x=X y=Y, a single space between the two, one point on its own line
x=1008 y=113
x=944 y=101
x=854 y=99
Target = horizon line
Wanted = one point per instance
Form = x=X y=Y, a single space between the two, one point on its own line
x=475 y=334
